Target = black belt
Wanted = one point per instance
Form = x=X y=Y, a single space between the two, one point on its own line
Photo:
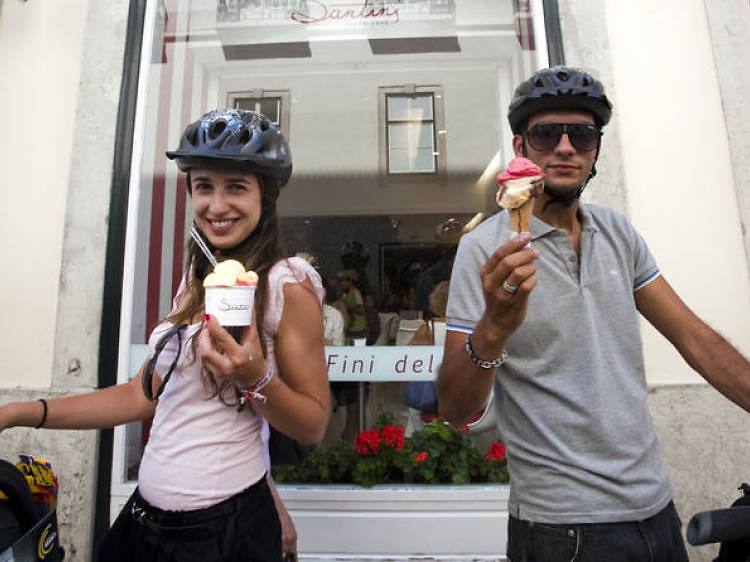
x=163 y=522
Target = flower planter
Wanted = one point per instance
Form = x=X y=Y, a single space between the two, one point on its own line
x=342 y=522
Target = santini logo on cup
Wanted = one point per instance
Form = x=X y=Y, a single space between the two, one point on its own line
x=230 y=291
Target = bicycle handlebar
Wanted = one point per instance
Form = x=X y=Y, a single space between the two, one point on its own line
x=719 y=525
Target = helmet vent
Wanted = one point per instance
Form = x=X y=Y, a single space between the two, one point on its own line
x=191 y=135
x=538 y=83
x=217 y=127
x=245 y=137
x=562 y=75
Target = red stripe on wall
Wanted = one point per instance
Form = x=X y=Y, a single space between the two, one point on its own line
x=530 y=43
x=179 y=233
x=181 y=200
x=159 y=182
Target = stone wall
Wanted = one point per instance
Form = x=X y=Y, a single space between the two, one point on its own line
x=705 y=445
x=73 y=454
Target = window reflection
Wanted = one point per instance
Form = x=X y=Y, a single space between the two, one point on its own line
x=395 y=112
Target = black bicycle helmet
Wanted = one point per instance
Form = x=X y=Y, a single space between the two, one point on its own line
x=242 y=137
x=558 y=87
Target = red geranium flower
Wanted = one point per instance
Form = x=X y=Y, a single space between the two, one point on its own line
x=421 y=457
x=368 y=442
x=496 y=452
x=393 y=435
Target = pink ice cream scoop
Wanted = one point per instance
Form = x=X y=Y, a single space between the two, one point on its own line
x=519 y=183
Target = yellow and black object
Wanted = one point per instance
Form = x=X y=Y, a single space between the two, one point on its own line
x=28 y=521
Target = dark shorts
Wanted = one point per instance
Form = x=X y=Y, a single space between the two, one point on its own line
x=656 y=539
x=244 y=527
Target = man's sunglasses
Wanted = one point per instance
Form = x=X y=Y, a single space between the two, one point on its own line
x=546 y=136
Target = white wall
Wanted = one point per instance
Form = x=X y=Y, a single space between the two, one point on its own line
x=41 y=47
x=680 y=189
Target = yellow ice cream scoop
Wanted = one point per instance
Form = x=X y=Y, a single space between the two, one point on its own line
x=230 y=267
x=230 y=273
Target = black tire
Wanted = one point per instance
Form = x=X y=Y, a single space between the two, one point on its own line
x=20 y=500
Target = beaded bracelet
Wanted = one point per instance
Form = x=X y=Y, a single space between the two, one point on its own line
x=253 y=391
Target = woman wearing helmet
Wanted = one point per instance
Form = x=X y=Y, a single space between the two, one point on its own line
x=202 y=492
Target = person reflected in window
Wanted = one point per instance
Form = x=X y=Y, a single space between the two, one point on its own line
x=334 y=324
x=335 y=298
x=447 y=235
x=397 y=298
x=423 y=394
x=355 y=306
x=373 y=320
x=347 y=394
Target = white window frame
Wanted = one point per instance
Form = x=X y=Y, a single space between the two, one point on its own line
x=285 y=95
x=438 y=120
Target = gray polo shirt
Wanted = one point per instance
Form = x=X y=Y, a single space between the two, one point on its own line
x=571 y=398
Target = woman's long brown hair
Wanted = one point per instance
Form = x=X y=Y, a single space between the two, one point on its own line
x=258 y=252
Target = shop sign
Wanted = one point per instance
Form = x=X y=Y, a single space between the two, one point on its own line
x=367 y=11
x=383 y=363
x=335 y=13
x=365 y=363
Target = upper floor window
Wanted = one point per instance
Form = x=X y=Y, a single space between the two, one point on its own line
x=413 y=141
x=274 y=104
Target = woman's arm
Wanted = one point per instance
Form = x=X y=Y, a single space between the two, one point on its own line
x=103 y=408
x=299 y=398
x=298 y=401
x=288 y=531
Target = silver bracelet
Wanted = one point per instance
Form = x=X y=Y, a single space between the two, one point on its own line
x=481 y=363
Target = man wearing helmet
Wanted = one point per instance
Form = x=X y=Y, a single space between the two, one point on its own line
x=553 y=326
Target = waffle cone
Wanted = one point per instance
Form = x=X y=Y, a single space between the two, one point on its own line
x=520 y=217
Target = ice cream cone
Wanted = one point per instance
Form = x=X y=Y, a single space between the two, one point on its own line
x=520 y=184
x=524 y=215
x=520 y=217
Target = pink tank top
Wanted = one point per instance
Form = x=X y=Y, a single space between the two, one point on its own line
x=200 y=451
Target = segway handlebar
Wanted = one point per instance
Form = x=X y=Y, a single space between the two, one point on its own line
x=719 y=525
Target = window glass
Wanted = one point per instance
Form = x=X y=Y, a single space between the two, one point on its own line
x=409 y=108
x=395 y=112
x=270 y=107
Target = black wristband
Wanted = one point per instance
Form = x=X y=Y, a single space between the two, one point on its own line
x=44 y=413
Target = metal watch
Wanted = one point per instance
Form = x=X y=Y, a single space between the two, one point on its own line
x=481 y=362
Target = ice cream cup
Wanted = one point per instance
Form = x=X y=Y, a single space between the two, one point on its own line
x=231 y=306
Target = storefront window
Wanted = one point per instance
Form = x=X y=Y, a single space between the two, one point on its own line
x=395 y=112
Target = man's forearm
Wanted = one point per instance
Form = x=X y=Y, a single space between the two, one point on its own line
x=721 y=365
x=463 y=386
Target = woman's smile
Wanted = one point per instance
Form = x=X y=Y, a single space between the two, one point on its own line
x=226 y=205
x=221 y=226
